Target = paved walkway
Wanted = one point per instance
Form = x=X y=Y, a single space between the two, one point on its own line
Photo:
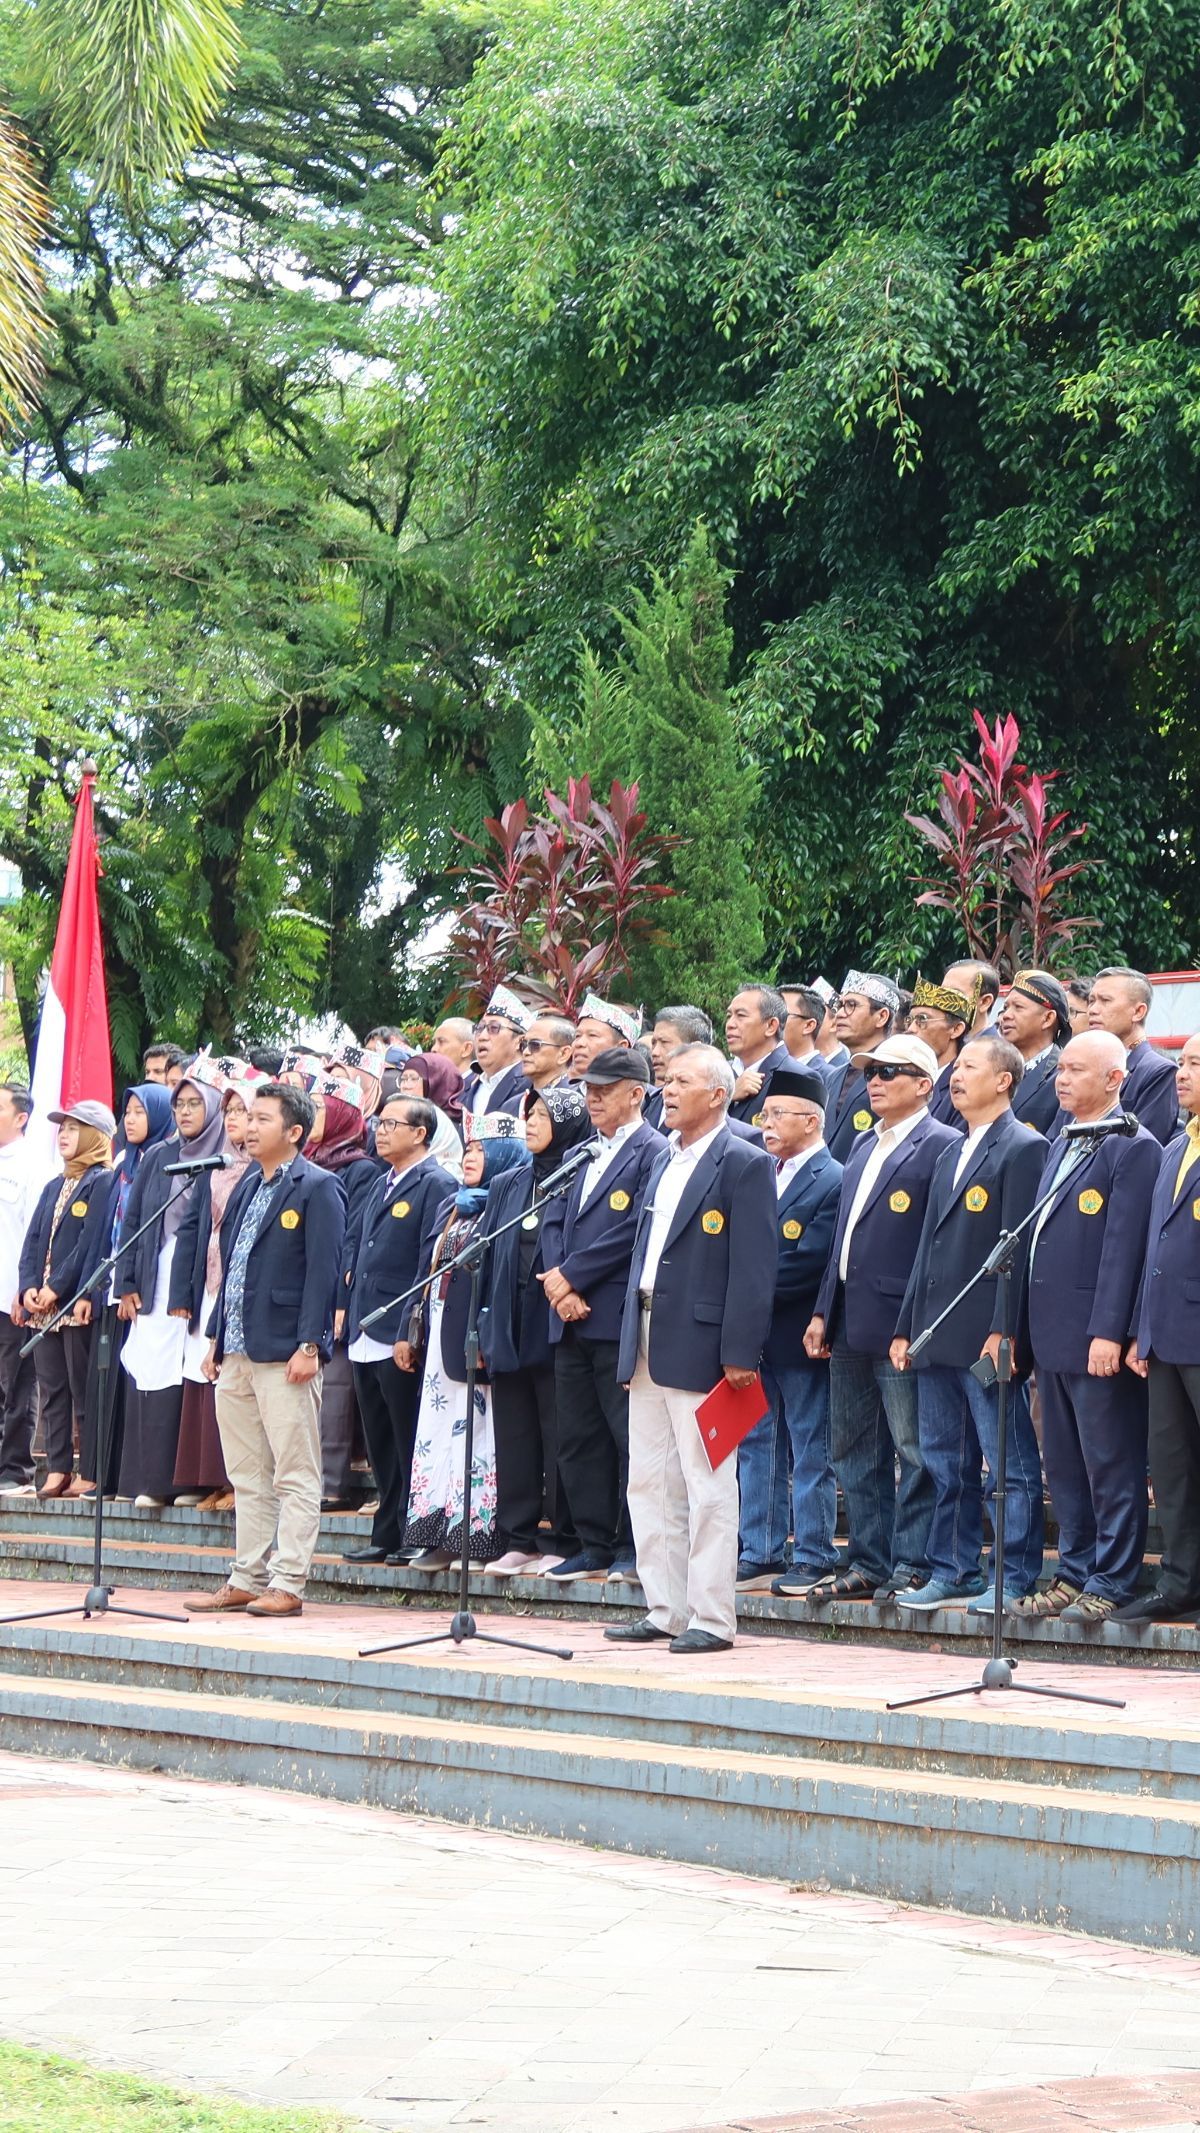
x=417 y=1975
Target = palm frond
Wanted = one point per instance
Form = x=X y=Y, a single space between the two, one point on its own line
x=23 y=321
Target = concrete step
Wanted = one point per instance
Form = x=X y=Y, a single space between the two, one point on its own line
x=50 y=1547
x=1059 y=1745
x=1057 y=1854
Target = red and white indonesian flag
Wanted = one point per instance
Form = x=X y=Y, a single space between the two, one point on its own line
x=74 y=1056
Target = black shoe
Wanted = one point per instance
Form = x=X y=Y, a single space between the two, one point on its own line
x=400 y=1556
x=700 y=1640
x=643 y=1632
x=364 y=1555
x=1156 y=1607
x=588 y=1563
x=899 y=1582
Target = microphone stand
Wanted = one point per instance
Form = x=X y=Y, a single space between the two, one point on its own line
x=463 y=1626
x=98 y=1597
x=998 y=1671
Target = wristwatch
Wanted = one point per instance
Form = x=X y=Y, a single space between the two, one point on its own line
x=309 y=1348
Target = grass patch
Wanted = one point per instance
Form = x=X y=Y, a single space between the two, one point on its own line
x=40 y=2093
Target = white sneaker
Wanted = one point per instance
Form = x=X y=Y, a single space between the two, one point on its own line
x=149 y=1503
x=513 y=1565
x=188 y=1502
x=19 y=1488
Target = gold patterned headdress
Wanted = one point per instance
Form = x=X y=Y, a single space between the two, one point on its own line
x=958 y=1005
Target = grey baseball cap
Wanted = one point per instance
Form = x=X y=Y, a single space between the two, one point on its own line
x=87 y=1113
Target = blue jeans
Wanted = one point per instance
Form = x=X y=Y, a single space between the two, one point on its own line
x=873 y=1424
x=797 y=1429
x=958 y=1419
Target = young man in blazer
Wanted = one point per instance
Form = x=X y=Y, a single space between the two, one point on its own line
x=1086 y=1255
x=390 y=1249
x=1166 y=1349
x=755 y=1022
x=587 y=1243
x=873 y=1406
x=795 y=1434
x=1036 y=1018
x=271 y=1332
x=981 y=1187
x=698 y=1308
x=1120 y=1000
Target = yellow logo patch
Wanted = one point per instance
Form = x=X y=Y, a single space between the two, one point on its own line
x=712 y=1222
x=400 y=1208
x=863 y=1119
x=289 y=1219
x=792 y=1230
x=1090 y=1203
x=79 y=1207
x=976 y=1200
x=759 y=1118
x=618 y=1201
x=1196 y=1210
x=900 y=1203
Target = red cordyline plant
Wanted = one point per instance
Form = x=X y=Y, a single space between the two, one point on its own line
x=1001 y=854
x=561 y=899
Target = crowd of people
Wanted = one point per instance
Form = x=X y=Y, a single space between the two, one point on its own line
x=293 y=1292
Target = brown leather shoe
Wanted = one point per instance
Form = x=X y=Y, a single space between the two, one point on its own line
x=275 y=1601
x=229 y=1600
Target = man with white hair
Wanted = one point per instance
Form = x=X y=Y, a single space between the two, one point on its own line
x=1094 y=1411
x=697 y=1310
x=455 y=1040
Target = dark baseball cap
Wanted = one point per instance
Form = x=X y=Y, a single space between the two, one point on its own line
x=619 y=1063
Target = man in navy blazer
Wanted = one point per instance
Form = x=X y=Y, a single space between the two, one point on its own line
x=1120 y=1000
x=1166 y=1348
x=587 y=1243
x=795 y=1434
x=1085 y=1265
x=697 y=1310
x=673 y=1028
x=501 y=1083
x=867 y=1008
x=271 y=1332
x=391 y=1248
x=1036 y=1018
x=755 y=1023
x=873 y=1406
x=981 y=1187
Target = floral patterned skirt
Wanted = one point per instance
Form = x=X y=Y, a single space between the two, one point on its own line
x=435 y=1504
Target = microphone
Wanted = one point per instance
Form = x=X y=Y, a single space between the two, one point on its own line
x=1124 y=1123
x=578 y=1156
x=197 y=1164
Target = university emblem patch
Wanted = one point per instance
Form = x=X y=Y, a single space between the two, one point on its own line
x=792 y=1230
x=289 y=1219
x=863 y=1119
x=1090 y=1203
x=712 y=1222
x=900 y=1203
x=400 y=1208
x=618 y=1201
x=79 y=1207
x=976 y=1200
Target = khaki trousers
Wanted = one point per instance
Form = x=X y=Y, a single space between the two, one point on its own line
x=271 y=1438
x=684 y=1516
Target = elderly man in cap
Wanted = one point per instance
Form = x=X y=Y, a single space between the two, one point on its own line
x=866 y=1011
x=754 y=1032
x=673 y=1028
x=501 y=1083
x=795 y=1433
x=587 y=1242
x=941 y=1018
x=600 y=1026
x=1036 y=1017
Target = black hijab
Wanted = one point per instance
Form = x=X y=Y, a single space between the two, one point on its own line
x=569 y=1125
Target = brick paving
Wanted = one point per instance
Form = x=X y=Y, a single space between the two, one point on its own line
x=1170 y=2103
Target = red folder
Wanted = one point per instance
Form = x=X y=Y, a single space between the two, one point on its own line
x=726 y=1416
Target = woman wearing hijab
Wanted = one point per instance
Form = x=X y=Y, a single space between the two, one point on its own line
x=428 y=1074
x=194 y=1280
x=152 y=1357
x=515 y=1335
x=338 y=1143
x=64 y=1243
x=435 y=1504
x=146 y=1122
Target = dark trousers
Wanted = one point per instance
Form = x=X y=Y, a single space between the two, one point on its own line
x=61 y=1361
x=1175 y=1472
x=388 y=1399
x=112 y=1389
x=17 y=1381
x=525 y=1421
x=593 y=1442
x=1094 y=1453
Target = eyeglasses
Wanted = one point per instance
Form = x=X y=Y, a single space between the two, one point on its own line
x=887 y=1071
x=189 y=1103
x=540 y=1044
x=494 y=1029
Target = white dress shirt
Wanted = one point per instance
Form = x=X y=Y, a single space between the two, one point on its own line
x=610 y=1147
x=20 y=1182
x=668 y=1192
x=887 y=1139
x=486 y=1085
x=969 y=1147
x=787 y=1171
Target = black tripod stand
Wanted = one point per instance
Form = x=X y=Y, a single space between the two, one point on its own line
x=998 y=1670
x=98 y=1597
x=463 y=1627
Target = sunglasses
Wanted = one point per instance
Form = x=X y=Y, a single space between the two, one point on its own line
x=890 y=1072
x=540 y=1044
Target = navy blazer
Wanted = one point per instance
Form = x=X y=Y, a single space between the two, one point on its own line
x=396 y=1229
x=804 y=1220
x=863 y=1310
x=514 y=1318
x=508 y=1095
x=1167 y=1313
x=847 y=1112
x=1149 y=1090
x=962 y=1224
x=714 y=1291
x=292 y=1271
x=749 y=1106
x=1086 y=1269
x=81 y=1239
x=592 y=1246
x=941 y=1103
x=1036 y=1100
x=652 y=1109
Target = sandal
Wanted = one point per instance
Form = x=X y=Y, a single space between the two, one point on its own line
x=1043 y=1606
x=849 y=1585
